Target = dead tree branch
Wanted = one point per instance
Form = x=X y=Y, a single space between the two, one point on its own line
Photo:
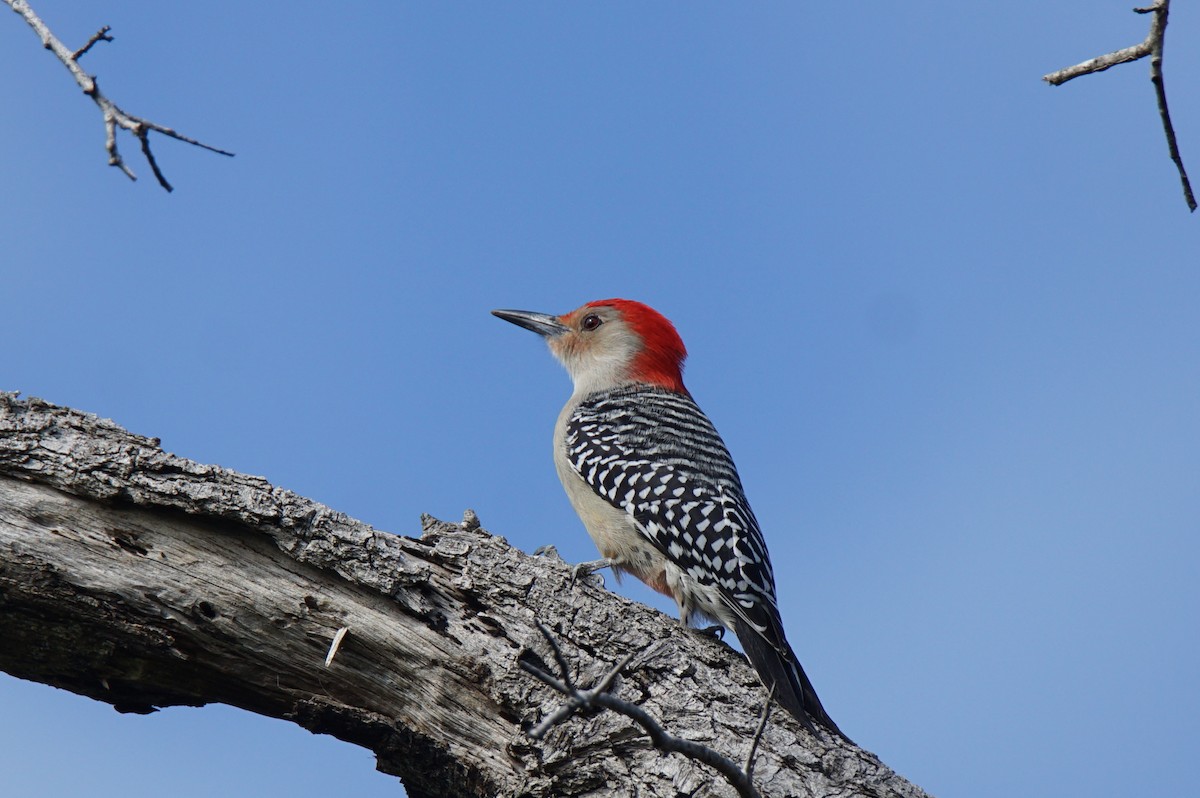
x=114 y=117
x=1152 y=46
x=144 y=580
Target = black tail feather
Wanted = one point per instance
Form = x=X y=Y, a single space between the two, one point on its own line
x=777 y=666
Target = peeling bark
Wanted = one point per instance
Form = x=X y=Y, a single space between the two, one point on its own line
x=144 y=580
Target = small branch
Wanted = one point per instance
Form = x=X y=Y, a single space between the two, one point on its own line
x=1160 y=91
x=563 y=667
x=758 y=733
x=114 y=117
x=1152 y=46
x=1098 y=64
x=99 y=36
x=599 y=696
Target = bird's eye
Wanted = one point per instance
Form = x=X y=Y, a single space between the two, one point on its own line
x=591 y=322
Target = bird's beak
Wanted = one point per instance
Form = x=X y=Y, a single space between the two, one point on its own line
x=541 y=323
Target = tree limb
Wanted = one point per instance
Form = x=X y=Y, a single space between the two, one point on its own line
x=113 y=116
x=145 y=580
x=1152 y=46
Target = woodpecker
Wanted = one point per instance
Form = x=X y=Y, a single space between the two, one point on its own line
x=655 y=486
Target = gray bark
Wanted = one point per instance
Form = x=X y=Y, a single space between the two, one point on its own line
x=144 y=580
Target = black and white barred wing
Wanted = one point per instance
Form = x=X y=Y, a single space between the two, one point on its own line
x=655 y=455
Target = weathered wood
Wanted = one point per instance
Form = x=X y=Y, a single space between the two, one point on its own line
x=144 y=580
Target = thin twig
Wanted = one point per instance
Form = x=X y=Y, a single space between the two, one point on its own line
x=758 y=733
x=599 y=696
x=1160 y=91
x=1152 y=46
x=110 y=144
x=566 y=686
x=99 y=36
x=113 y=116
x=1098 y=64
x=557 y=716
x=563 y=667
x=664 y=741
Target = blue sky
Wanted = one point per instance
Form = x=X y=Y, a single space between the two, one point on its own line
x=944 y=315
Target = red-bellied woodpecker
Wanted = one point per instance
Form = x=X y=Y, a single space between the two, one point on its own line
x=656 y=488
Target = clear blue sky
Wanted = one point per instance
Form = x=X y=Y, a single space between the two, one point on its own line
x=944 y=315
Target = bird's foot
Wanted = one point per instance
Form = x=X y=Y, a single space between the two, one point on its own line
x=585 y=569
x=716 y=631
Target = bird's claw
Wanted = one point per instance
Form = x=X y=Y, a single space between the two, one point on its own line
x=716 y=631
x=585 y=569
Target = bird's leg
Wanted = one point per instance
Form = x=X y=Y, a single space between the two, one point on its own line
x=692 y=620
x=586 y=569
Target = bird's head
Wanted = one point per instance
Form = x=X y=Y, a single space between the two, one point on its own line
x=610 y=342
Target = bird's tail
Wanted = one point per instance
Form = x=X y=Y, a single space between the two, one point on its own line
x=780 y=670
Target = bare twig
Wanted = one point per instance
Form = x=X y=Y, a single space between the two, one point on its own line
x=579 y=700
x=758 y=733
x=99 y=36
x=1160 y=91
x=599 y=696
x=1152 y=46
x=563 y=667
x=114 y=117
x=1099 y=63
